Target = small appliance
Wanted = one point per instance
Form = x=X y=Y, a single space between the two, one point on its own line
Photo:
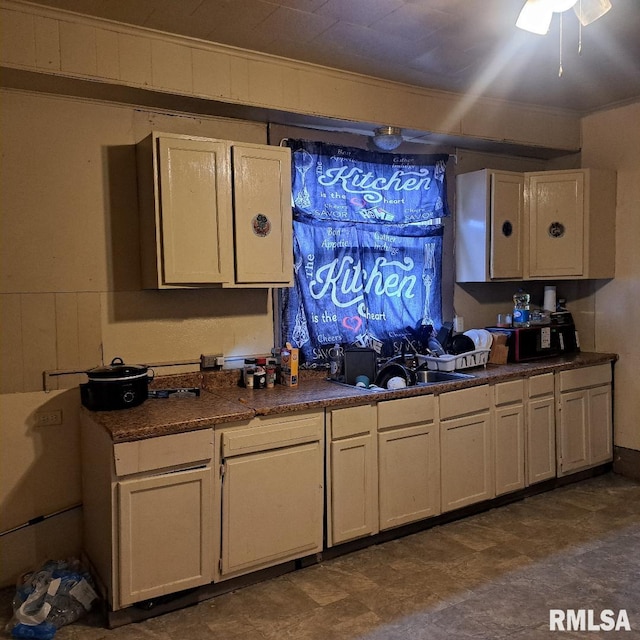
x=532 y=343
x=116 y=386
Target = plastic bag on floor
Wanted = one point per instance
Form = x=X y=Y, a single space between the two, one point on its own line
x=58 y=593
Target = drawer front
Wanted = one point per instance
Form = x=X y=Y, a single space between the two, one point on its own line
x=163 y=451
x=587 y=377
x=353 y=421
x=395 y=413
x=464 y=401
x=509 y=392
x=263 y=436
x=541 y=385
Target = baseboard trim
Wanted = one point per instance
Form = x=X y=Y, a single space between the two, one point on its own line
x=626 y=462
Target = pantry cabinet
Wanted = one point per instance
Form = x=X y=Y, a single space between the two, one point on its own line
x=466 y=447
x=214 y=213
x=541 y=429
x=584 y=418
x=148 y=513
x=352 y=473
x=408 y=460
x=272 y=491
x=509 y=436
x=535 y=225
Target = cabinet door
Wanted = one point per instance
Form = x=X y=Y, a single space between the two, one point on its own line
x=507 y=202
x=408 y=474
x=600 y=431
x=541 y=440
x=353 y=501
x=194 y=194
x=509 y=448
x=466 y=461
x=272 y=507
x=556 y=223
x=262 y=214
x=165 y=534
x=573 y=437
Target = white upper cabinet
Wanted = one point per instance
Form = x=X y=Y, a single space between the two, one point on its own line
x=262 y=214
x=489 y=226
x=214 y=213
x=536 y=225
x=571 y=223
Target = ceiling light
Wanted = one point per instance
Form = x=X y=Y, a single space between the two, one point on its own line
x=590 y=10
x=535 y=17
x=536 y=14
x=387 y=138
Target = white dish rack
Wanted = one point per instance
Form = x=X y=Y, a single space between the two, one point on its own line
x=477 y=358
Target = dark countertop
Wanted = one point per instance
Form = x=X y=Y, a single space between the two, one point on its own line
x=222 y=400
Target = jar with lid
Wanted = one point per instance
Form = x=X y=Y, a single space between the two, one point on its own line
x=260 y=374
x=249 y=372
x=521 y=308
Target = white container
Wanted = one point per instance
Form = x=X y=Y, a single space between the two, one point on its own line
x=549 y=303
x=478 y=358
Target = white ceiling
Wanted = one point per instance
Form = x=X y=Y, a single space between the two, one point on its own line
x=456 y=45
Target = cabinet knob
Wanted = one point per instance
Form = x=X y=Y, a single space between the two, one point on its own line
x=556 y=229
x=507 y=228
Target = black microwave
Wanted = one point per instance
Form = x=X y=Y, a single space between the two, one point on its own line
x=531 y=343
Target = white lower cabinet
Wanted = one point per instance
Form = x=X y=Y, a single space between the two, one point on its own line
x=408 y=460
x=584 y=418
x=466 y=447
x=352 y=473
x=541 y=429
x=165 y=534
x=148 y=513
x=158 y=520
x=509 y=436
x=272 y=491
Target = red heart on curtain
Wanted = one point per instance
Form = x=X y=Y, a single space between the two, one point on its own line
x=353 y=323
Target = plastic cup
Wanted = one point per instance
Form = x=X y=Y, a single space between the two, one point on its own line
x=362 y=381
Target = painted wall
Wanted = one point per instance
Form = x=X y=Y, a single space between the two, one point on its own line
x=611 y=139
x=70 y=292
x=70 y=289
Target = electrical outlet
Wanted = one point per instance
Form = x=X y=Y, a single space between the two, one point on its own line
x=48 y=418
x=211 y=361
x=458 y=324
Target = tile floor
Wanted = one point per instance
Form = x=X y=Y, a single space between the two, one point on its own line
x=493 y=575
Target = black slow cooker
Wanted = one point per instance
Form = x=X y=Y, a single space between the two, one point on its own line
x=116 y=386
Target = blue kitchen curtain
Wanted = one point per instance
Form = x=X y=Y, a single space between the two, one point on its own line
x=367 y=250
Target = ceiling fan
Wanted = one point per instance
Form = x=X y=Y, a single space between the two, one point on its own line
x=536 y=15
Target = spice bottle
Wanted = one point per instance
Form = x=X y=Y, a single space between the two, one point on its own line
x=249 y=371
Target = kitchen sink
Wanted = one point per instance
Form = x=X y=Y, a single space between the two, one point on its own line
x=353 y=386
x=424 y=378
x=433 y=377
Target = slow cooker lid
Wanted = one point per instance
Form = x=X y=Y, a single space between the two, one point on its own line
x=117 y=370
